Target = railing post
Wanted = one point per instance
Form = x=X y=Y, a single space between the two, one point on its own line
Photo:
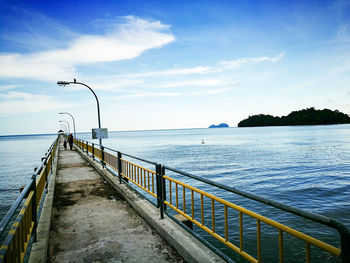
x=46 y=172
x=34 y=206
x=120 y=167
x=163 y=188
x=53 y=156
x=87 y=148
x=345 y=245
x=93 y=151
x=160 y=196
x=103 y=156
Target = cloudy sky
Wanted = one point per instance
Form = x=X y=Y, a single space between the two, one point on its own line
x=169 y=64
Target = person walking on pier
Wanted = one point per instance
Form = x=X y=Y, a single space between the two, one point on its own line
x=65 y=144
x=70 y=141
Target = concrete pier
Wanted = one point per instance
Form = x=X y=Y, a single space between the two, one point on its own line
x=87 y=217
x=93 y=223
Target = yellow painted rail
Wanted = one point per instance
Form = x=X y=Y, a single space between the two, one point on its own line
x=16 y=242
x=242 y=211
x=180 y=197
x=142 y=177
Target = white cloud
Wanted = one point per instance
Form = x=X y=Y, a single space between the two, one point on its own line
x=242 y=61
x=224 y=65
x=33 y=67
x=209 y=92
x=150 y=94
x=173 y=72
x=114 y=83
x=208 y=82
x=7 y=87
x=179 y=76
x=125 y=41
x=21 y=102
x=118 y=84
x=217 y=91
x=172 y=94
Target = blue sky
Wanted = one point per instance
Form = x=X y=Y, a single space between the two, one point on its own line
x=169 y=64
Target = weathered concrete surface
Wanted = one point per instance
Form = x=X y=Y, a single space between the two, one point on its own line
x=190 y=248
x=93 y=223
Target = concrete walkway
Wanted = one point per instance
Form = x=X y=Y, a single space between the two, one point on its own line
x=92 y=223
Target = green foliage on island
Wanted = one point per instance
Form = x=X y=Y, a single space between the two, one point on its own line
x=309 y=116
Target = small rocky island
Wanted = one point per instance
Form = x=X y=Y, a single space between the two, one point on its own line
x=221 y=125
x=309 y=116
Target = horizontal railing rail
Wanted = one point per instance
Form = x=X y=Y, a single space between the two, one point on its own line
x=131 y=156
x=140 y=176
x=342 y=230
x=176 y=194
x=14 y=247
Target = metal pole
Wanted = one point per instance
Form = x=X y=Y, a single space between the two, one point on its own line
x=75 y=134
x=67 y=125
x=63 y=83
x=34 y=207
x=98 y=105
x=120 y=167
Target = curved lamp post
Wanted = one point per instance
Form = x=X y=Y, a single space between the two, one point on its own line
x=75 y=135
x=64 y=83
x=67 y=125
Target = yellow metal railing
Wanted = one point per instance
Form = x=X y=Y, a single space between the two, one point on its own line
x=20 y=232
x=16 y=242
x=162 y=187
x=111 y=160
x=140 y=176
x=174 y=204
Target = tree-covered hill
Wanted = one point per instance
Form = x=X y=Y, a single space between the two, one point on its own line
x=309 y=116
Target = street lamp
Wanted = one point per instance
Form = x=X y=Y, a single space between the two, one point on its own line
x=75 y=135
x=67 y=125
x=64 y=126
x=64 y=83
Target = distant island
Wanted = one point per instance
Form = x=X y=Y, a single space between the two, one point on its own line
x=221 y=125
x=309 y=116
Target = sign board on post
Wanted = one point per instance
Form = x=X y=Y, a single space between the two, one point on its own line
x=99 y=133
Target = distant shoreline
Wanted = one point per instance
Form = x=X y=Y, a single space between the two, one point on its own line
x=303 y=117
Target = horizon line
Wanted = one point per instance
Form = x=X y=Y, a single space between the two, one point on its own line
x=38 y=134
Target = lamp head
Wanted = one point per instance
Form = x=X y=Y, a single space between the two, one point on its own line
x=63 y=83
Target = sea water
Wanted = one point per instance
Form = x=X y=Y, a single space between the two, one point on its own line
x=303 y=166
x=19 y=155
